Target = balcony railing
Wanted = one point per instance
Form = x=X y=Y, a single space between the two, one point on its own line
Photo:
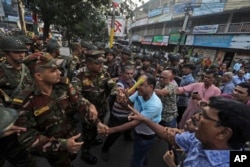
x=233 y=28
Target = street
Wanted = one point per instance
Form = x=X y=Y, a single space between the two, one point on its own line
x=120 y=153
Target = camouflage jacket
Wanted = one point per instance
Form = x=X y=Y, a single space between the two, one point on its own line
x=11 y=77
x=73 y=64
x=97 y=88
x=48 y=119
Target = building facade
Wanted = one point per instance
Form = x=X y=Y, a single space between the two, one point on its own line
x=215 y=29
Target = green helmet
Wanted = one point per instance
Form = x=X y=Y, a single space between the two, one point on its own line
x=25 y=40
x=126 y=50
x=52 y=46
x=139 y=56
x=11 y=43
x=85 y=44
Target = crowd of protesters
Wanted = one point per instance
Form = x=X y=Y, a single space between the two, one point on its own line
x=146 y=94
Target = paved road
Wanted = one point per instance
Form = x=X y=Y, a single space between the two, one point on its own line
x=120 y=153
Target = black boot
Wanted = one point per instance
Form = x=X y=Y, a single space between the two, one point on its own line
x=89 y=158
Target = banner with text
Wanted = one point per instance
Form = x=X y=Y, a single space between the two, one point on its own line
x=160 y=40
x=119 y=26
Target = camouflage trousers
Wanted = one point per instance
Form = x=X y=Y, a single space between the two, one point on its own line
x=89 y=129
x=11 y=150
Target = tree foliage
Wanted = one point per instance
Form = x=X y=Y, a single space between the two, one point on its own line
x=66 y=13
x=85 y=18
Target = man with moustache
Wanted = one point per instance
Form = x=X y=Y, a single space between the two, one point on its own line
x=46 y=112
x=97 y=86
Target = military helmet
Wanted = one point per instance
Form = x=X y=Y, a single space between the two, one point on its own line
x=85 y=44
x=148 y=57
x=157 y=55
x=92 y=47
x=126 y=50
x=52 y=45
x=139 y=56
x=99 y=45
x=174 y=57
x=25 y=40
x=11 y=43
x=110 y=51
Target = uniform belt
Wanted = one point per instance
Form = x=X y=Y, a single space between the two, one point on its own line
x=145 y=137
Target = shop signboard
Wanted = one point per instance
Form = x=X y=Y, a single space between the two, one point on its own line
x=160 y=40
x=220 y=41
x=174 y=39
x=236 y=5
x=147 y=40
x=223 y=41
x=209 y=8
x=205 y=29
x=155 y=12
x=189 y=40
x=240 y=42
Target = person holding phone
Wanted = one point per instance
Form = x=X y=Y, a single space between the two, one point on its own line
x=200 y=93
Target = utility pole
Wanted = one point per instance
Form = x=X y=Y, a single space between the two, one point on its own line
x=112 y=27
x=183 y=30
x=21 y=16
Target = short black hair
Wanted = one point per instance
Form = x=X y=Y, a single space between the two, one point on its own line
x=211 y=71
x=234 y=115
x=151 y=79
x=245 y=85
x=173 y=70
x=191 y=66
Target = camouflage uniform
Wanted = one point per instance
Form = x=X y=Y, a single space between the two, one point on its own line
x=145 y=68
x=10 y=78
x=95 y=88
x=48 y=120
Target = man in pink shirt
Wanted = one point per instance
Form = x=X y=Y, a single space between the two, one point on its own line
x=200 y=92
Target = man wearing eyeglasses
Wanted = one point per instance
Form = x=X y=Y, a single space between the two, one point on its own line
x=217 y=132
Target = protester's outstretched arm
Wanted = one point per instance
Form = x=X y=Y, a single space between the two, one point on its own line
x=168 y=158
x=165 y=133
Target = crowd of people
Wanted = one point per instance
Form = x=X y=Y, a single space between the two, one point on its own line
x=202 y=110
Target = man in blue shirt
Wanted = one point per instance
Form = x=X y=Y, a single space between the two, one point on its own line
x=149 y=105
x=228 y=85
x=239 y=77
x=217 y=132
x=186 y=79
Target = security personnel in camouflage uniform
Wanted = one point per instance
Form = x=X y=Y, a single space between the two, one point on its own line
x=14 y=76
x=146 y=67
x=97 y=85
x=47 y=110
x=111 y=63
x=73 y=62
x=53 y=48
x=125 y=55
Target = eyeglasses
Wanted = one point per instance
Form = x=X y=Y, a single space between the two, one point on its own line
x=197 y=117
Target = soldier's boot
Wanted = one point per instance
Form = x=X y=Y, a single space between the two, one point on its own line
x=97 y=141
x=89 y=158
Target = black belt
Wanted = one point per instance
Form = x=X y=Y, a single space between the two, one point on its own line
x=145 y=137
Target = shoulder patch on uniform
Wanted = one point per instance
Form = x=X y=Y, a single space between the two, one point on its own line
x=41 y=110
